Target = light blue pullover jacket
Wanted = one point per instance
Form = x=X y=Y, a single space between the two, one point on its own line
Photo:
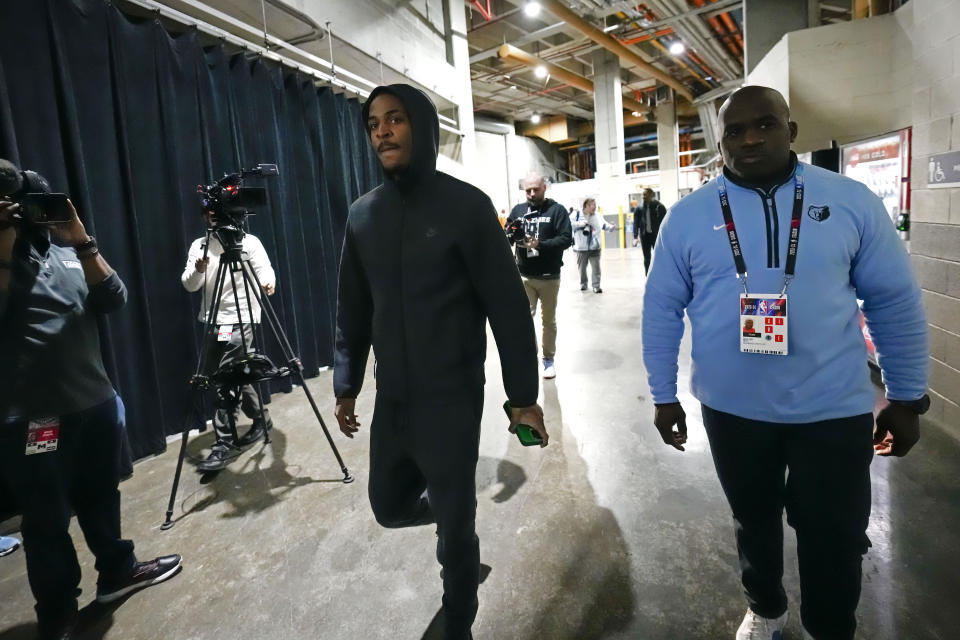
x=848 y=251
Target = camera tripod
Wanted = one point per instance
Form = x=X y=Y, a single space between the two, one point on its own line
x=235 y=265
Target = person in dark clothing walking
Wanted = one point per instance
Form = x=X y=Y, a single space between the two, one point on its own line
x=61 y=421
x=540 y=256
x=425 y=264
x=646 y=225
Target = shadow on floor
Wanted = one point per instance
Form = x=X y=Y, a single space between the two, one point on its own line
x=246 y=484
x=593 y=594
x=496 y=471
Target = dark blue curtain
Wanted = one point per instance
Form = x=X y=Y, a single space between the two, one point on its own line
x=128 y=118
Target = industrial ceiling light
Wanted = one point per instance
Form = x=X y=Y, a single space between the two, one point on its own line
x=532 y=9
x=636 y=114
x=677 y=48
x=535 y=118
x=540 y=71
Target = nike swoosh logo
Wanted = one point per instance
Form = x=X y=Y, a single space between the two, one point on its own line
x=717 y=227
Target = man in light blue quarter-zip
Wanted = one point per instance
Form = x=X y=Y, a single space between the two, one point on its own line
x=768 y=261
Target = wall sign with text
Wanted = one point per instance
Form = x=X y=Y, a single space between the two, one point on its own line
x=943 y=170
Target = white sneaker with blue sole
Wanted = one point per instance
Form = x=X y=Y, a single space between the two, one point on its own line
x=755 y=627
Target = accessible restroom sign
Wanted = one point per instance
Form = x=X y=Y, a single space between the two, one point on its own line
x=943 y=170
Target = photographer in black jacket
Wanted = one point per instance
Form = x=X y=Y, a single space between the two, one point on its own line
x=425 y=264
x=540 y=256
x=61 y=421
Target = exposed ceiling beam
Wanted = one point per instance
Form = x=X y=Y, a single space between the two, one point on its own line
x=513 y=53
x=721 y=6
x=609 y=43
x=539 y=34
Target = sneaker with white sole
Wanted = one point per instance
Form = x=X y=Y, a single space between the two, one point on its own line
x=755 y=627
x=143 y=575
x=549 y=371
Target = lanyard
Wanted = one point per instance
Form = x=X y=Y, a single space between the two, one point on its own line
x=795 y=219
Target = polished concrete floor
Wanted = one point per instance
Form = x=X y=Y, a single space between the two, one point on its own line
x=606 y=533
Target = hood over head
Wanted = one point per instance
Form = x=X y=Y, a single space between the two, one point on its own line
x=425 y=126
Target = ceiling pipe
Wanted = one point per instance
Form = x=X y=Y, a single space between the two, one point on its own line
x=692 y=39
x=700 y=36
x=315 y=33
x=710 y=53
x=725 y=35
x=611 y=44
x=508 y=51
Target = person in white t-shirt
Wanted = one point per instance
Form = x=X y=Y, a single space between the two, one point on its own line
x=228 y=343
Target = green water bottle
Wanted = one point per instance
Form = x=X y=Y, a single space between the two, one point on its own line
x=525 y=433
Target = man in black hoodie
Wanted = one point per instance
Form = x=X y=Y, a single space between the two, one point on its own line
x=540 y=257
x=425 y=264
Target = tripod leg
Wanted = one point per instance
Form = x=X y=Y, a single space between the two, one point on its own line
x=168 y=522
x=347 y=478
x=274 y=323
x=198 y=390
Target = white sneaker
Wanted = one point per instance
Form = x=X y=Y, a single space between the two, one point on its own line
x=549 y=371
x=754 y=627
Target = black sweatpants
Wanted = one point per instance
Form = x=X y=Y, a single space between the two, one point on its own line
x=81 y=476
x=433 y=447
x=230 y=398
x=647 y=241
x=820 y=472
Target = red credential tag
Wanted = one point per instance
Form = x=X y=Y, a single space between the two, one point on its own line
x=43 y=435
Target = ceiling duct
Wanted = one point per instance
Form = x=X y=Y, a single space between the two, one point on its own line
x=612 y=45
x=511 y=52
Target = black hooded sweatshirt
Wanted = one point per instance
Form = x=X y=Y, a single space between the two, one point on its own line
x=548 y=222
x=425 y=263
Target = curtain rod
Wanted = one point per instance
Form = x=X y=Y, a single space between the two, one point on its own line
x=239 y=41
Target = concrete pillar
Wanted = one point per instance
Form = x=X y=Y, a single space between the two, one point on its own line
x=456 y=36
x=608 y=115
x=668 y=144
x=765 y=22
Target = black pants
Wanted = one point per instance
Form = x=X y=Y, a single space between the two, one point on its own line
x=647 y=240
x=231 y=399
x=81 y=476
x=434 y=448
x=827 y=497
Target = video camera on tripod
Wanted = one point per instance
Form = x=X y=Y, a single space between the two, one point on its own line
x=230 y=201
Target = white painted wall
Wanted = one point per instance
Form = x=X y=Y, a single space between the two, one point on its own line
x=845 y=81
x=774 y=69
x=408 y=35
x=410 y=39
x=492 y=177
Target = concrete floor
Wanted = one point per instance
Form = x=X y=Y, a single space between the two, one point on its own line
x=606 y=533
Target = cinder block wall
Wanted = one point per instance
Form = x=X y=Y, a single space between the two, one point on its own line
x=935 y=233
